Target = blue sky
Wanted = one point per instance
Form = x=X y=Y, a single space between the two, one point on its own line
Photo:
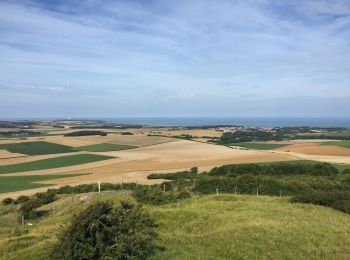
x=174 y=58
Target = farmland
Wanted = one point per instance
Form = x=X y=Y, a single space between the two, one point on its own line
x=53 y=163
x=16 y=183
x=36 y=148
x=258 y=146
x=105 y=147
x=345 y=144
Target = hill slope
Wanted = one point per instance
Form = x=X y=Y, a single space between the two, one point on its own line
x=206 y=227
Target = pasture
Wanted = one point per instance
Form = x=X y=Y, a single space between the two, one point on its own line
x=258 y=146
x=16 y=183
x=56 y=162
x=104 y=147
x=36 y=148
x=345 y=144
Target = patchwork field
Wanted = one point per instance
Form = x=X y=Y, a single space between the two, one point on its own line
x=130 y=158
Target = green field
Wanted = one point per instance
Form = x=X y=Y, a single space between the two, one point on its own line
x=203 y=227
x=345 y=144
x=36 y=148
x=257 y=146
x=104 y=147
x=16 y=183
x=57 y=162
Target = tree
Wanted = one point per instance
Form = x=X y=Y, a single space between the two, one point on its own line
x=102 y=231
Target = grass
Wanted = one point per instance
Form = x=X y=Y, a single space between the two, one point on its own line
x=104 y=147
x=258 y=146
x=57 y=162
x=206 y=227
x=345 y=144
x=36 y=148
x=16 y=183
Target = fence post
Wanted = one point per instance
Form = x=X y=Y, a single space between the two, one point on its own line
x=217 y=191
x=257 y=191
x=280 y=193
x=22 y=220
x=164 y=187
x=99 y=187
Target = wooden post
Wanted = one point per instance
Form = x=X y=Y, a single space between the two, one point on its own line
x=99 y=187
x=257 y=191
x=22 y=220
x=164 y=187
x=217 y=191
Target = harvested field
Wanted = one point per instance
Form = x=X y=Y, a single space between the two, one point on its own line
x=4 y=154
x=316 y=149
x=132 y=140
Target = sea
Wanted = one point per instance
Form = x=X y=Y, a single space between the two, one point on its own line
x=323 y=122
x=241 y=121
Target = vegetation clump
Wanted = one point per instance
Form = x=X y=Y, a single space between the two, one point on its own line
x=102 y=231
x=86 y=133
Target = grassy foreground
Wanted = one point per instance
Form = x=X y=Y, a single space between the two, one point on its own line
x=206 y=227
x=16 y=183
x=57 y=162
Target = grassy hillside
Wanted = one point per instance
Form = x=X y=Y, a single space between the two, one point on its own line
x=57 y=162
x=206 y=227
x=36 y=148
x=16 y=183
x=345 y=144
x=104 y=147
x=258 y=146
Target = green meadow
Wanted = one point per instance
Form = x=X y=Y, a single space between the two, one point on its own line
x=258 y=146
x=16 y=183
x=104 y=147
x=36 y=148
x=203 y=227
x=50 y=163
x=345 y=144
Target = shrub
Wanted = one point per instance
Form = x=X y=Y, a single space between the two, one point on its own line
x=21 y=199
x=8 y=201
x=86 y=133
x=339 y=200
x=158 y=197
x=102 y=231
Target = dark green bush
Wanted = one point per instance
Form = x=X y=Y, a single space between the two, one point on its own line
x=339 y=200
x=158 y=197
x=21 y=199
x=102 y=231
x=8 y=201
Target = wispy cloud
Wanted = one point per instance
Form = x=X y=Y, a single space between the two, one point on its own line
x=162 y=53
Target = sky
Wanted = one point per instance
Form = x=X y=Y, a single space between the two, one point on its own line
x=248 y=58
